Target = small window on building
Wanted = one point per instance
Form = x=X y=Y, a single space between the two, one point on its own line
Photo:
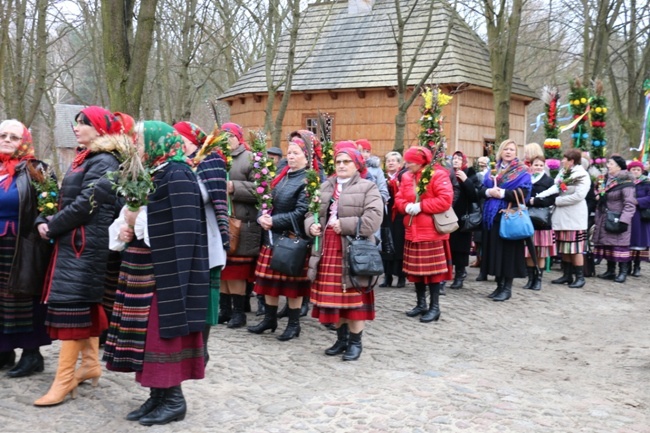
x=310 y=122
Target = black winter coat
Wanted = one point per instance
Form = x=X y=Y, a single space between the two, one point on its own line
x=289 y=201
x=461 y=242
x=31 y=253
x=87 y=207
x=544 y=183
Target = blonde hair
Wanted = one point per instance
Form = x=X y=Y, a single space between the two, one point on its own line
x=502 y=146
x=533 y=151
x=394 y=155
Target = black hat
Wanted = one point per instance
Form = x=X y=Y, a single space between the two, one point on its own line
x=619 y=161
x=275 y=151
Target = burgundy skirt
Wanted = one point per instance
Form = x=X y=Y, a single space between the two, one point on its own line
x=331 y=301
x=272 y=283
x=427 y=262
x=169 y=361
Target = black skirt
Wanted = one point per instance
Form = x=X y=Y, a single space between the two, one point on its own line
x=501 y=257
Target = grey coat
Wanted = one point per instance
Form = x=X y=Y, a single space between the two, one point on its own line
x=243 y=203
x=620 y=199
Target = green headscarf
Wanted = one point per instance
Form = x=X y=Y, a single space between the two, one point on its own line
x=162 y=143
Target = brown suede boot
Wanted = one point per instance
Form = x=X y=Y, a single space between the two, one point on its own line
x=90 y=368
x=64 y=381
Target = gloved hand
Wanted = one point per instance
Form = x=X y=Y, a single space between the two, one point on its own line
x=416 y=209
x=408 y=208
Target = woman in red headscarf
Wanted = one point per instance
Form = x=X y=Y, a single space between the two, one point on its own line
x=427 y=256
x=75 y=283
x=24 y=256
x=348 y=203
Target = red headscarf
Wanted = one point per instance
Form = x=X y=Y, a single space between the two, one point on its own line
x=237 y=131
x=295 y=140
x=23 y=152
x=462 y=155
x=102 y=120
x=310 y=138
x=354 y=154
x=418 y=155
x=192 y=132
x=127 y=122
x=365 y=144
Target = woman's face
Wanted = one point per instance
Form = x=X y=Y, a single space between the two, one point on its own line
x=457 y=162
x=567 y=164
x=413 y=167
x=296 y=158
x=85 y=133
x=345 y=167
x=188 y=147
x=537 y=166
x=509 y=152
x=392 y=164
x=233 y=142
x=10 y=138
x=636 y=172
x=612 y=167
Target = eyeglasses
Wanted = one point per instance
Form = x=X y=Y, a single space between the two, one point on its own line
x=344 y=162
x=482 y=165
x=11 y=137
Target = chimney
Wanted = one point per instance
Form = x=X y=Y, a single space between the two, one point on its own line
x=360 y=7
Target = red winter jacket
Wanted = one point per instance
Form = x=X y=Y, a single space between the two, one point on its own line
x=437 y=198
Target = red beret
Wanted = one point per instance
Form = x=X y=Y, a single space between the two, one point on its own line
x=365 y=144
x=418 y=155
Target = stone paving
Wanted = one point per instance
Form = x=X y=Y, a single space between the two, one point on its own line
x=558 y=360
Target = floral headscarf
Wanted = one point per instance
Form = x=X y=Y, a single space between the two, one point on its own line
x=355 y=156
x=191 y=131
x=23 y=152
x=162 y=143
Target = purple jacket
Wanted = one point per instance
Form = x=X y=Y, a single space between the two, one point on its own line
x=620 y=200
x=641 y=229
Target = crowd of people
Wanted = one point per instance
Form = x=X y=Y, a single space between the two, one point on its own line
x=150 y=280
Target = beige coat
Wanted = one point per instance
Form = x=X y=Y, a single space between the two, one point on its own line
x=359 y=199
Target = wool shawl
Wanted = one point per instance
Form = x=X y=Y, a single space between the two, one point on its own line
x=179 y=251
x=212 y=173
x=514 y=176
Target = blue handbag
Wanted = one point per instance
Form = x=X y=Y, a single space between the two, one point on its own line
x=516 y=223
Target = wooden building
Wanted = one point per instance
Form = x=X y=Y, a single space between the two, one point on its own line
x=349 y=72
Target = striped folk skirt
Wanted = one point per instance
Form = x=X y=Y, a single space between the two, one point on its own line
x=544 y=241
x=612 y=254
x=427 y=262
x=643 y=255
x=331 y=301
x=22 y=317
x=272 y=283
x=571 y=241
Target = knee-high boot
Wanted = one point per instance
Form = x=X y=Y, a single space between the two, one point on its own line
x=567 y=276
x=421 y=296
x=156 y=396
x=537 y=284
x=90 y=368
x=206 y=336
x=531 y=271
x=499 y=288
x=238 y=318
x=636 y=271
x=64 y=381
x=506 y=292
x=293 y=327
x=304 y=308
x=580 y=278
x=171 y=408
x=270 y=321
x=433 y=314
x=225 y=308
x=354 y=349
x=342 y=338
x=623 y=269
x=610 y=274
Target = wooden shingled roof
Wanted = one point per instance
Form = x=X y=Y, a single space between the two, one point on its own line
x=359 y=52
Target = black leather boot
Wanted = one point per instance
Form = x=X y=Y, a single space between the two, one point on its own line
x=249 y=294
x=354 y=349
x=636 y=271
x=623 y=270
x=270 y=321
x=537 y=283
x=238 y=318
x=441 y=289
x=7 y=359
x=284 y=312
x=580 y=278
x=31 y=361
x=401 y=282
x=531 y=271
x=225 y=308
x=567 y=276
x=482 y=276
x=433 y=313
x=499 y=288
x=155 y=398
x=304 y=308
x=206 y=336
x=610 y=274
x=342 y=338
x=172 y=408
x=459 y=277
x=293 y=327
x=261 y=305
x=506 y=292
x=388 y=281
x=421 y=296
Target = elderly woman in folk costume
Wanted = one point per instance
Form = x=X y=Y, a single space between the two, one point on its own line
x=348 y=202
x=161 y=303
x=290 y=205
x=24 y=256
x=503 y=258
x=425 y=190
x=240 y=266
x=75 y=284
x=211 y=173
x=640 y=239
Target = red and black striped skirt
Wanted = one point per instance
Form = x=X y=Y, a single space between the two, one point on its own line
x=273 y=283
x=427 y=262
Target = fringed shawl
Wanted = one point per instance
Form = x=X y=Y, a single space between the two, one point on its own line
x=514 y=176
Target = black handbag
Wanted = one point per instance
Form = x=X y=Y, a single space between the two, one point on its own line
x=290 y=253
x=472 y=220
x=645 y=214
x=541 y=217
x=387 y=244
x=613 y=224
x=364 y=259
